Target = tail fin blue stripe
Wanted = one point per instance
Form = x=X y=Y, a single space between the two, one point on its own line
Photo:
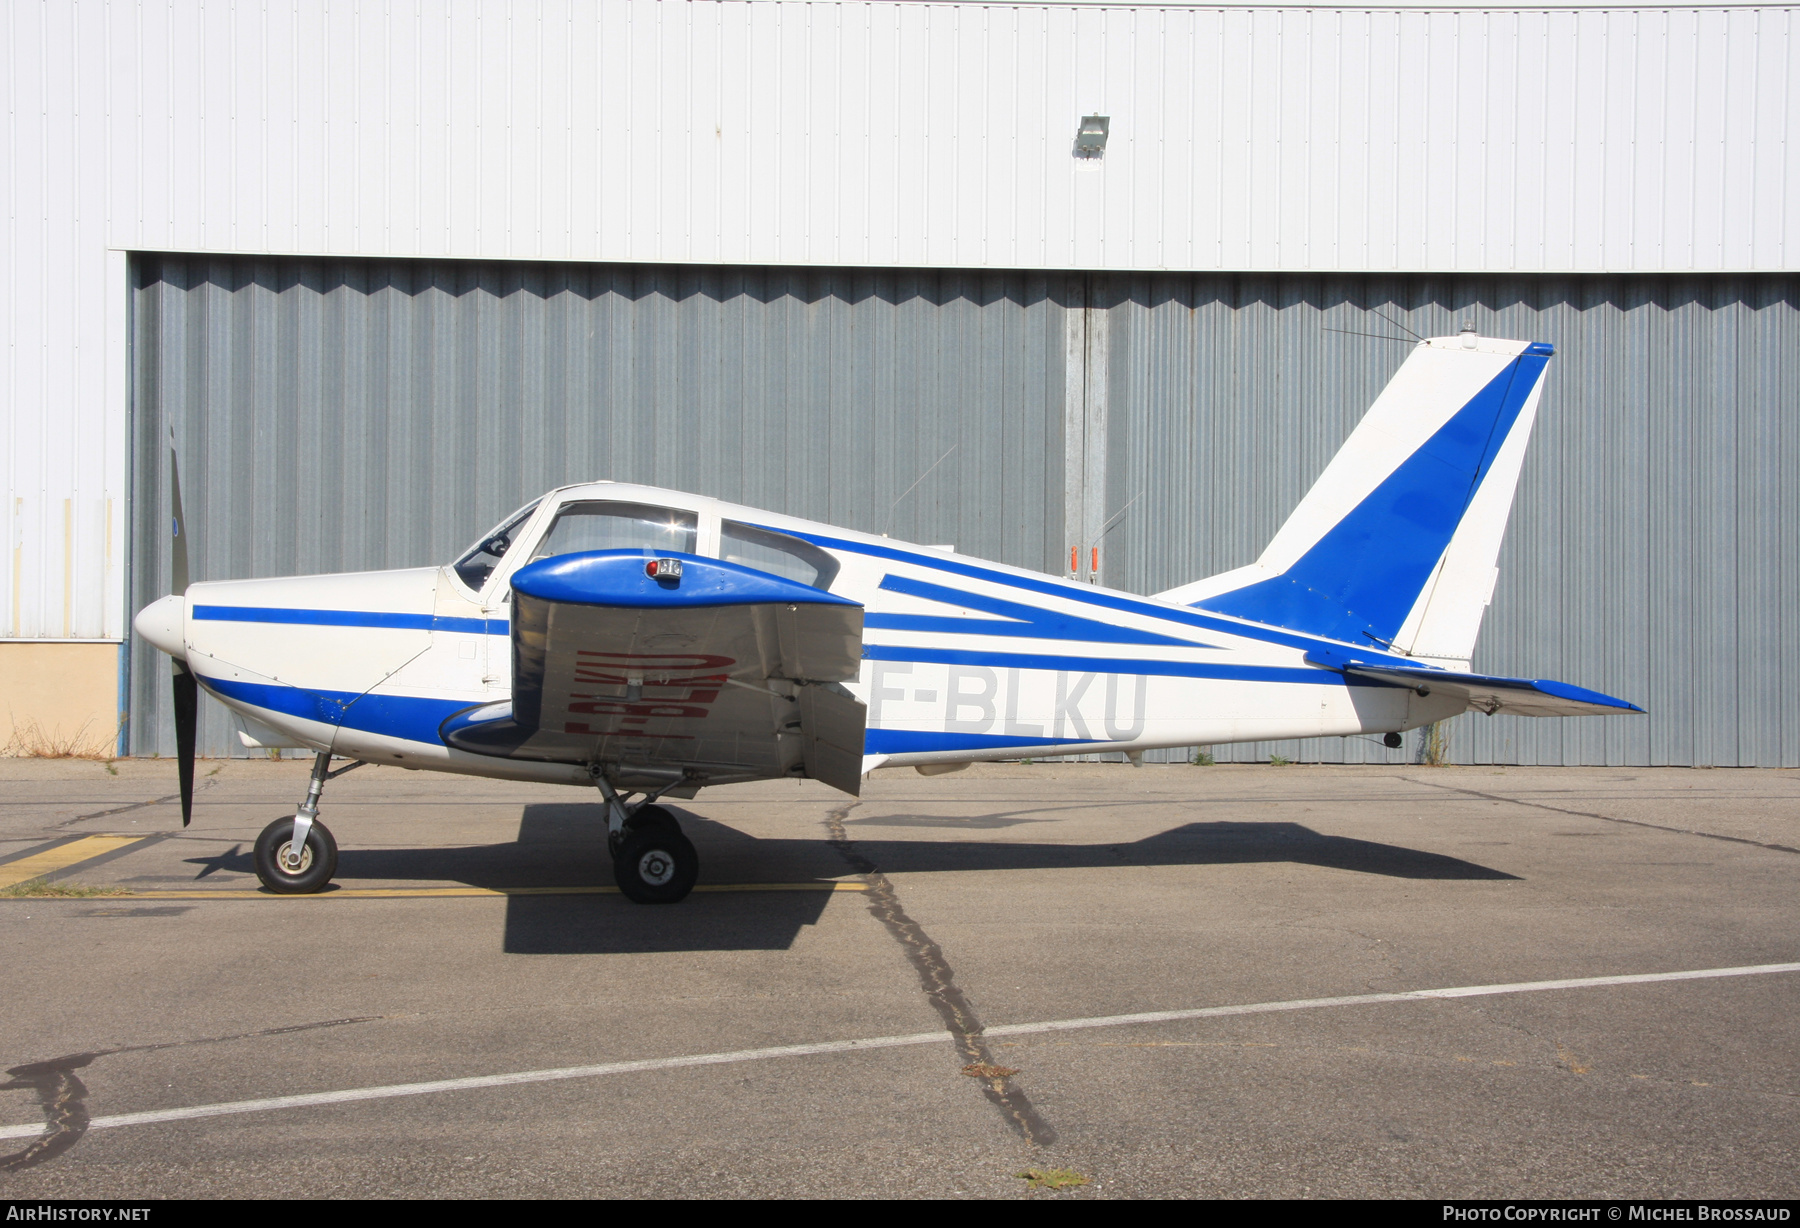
x=1360 y=580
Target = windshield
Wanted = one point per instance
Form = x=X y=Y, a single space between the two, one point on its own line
x=785 y=556
x=478 y=564
x=619 y=526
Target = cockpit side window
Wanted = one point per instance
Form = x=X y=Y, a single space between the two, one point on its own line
x=785 y=556
x=478 y=564
x=619 y=526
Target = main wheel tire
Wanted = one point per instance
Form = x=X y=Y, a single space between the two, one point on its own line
x=656 y=866
x=318 y=858
x=643 y=819
x=653 y=818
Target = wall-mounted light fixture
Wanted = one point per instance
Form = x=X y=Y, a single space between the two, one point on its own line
x=1090 y=138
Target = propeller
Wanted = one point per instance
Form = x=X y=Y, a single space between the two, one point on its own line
x=186 y=690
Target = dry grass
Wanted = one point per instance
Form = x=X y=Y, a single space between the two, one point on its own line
x=1052 y=1178
x=30 y=740
x=38 y=889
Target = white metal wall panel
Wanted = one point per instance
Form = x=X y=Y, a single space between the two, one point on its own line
x=887 y=133
x=793 y=132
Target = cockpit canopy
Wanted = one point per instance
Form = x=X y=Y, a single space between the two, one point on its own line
x=478 y=564
x=600 y=525
x=614 y=524
x=785 y=556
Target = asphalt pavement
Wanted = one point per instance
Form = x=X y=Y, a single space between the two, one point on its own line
x=926 y=991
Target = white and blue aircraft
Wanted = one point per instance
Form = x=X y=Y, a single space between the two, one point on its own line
x=652 y=643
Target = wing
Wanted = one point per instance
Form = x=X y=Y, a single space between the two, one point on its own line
x=1487 y=693
x=705 y=671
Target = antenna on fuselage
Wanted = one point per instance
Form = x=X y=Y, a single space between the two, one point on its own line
x=896 y=503
x=1386 y=319
x=1409 y=332
x=1112 y=522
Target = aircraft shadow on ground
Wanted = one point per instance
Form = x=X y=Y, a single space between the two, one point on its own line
x=562 y=845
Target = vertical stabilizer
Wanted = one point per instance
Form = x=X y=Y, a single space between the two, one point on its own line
x=1396 y=543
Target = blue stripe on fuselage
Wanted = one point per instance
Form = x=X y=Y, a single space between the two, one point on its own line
x=414 y=719
x=918 y=741
x=1021 y=621
x=1304 y=675
x=1184 y=615
x=394 y=716
x=348 y=618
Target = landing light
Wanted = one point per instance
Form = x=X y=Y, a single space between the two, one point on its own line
x=663 y=569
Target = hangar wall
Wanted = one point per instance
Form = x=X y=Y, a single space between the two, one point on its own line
x=1493 y=138
x=343 y=414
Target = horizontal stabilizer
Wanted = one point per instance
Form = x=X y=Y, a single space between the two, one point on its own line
x=1483 y=692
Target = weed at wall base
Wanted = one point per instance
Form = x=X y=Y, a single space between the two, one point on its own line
x=31 y=741
x=1434 y=744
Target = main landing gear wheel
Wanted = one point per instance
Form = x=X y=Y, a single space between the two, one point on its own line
x=280 y=874
x=655 y=864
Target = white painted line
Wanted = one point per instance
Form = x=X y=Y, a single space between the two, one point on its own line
x=391 y=1091
x=504 y=1080
x=1369 y=999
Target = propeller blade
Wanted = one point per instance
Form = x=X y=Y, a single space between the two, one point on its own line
x=187 y=708
x=186 y=691
x=178 y=555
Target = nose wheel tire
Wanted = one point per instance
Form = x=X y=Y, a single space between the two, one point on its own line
x=656 y=865
x=282 y=875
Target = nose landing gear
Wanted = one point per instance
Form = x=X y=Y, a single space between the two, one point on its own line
x=296 y=855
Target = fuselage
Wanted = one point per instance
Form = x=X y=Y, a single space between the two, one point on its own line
x=963 y=660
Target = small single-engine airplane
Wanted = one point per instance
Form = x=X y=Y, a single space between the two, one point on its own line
x=652 y=643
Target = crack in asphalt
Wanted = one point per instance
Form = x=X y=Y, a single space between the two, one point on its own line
x=63 y=1096
x=1605 y=818
x=938 y=981
x=199 y=788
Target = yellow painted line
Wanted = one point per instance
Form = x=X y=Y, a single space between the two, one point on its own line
x=409 y=893
x=62 y=857
x=781 y=887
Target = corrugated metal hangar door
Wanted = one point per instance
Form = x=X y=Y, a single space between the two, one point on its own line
x=338 y=415
x=342 y=415
x=1653 y=552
